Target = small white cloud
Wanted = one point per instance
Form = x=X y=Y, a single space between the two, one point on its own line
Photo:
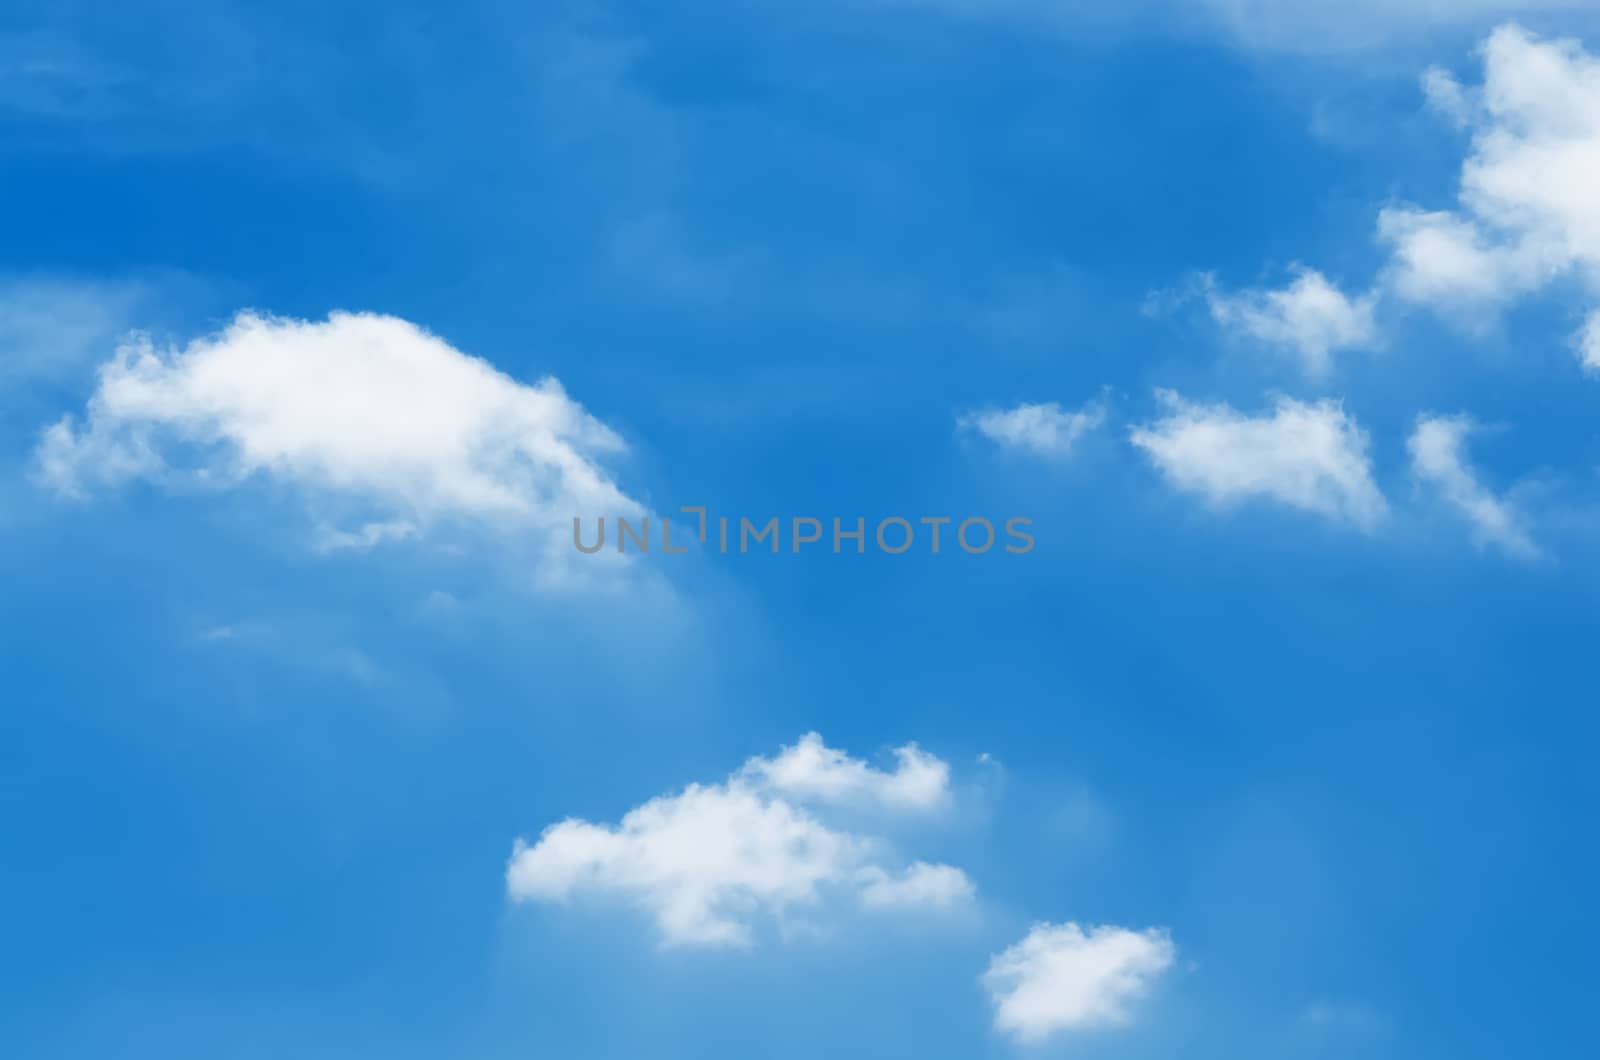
x=1446 y=95
x=1438 y=458
x=813 y=772
x=1440 y=259
x=1310 y=318
x=367 y=417
x=922 y=886
x=706 y=862
x=1587 y=342
x=366 y=536
x=1308 y=456
x=1063 y=978
x=1046 y=429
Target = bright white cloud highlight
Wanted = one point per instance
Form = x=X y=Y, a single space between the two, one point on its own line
x=1310 y=318
x=1308 y=456
x=708 y=862
x=1062 y=977
x=1046 y=429
x=371 y=419
x=1438 y=459
x=810 y=771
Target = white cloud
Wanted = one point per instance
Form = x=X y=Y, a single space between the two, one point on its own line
x=813 y=772
x=1440 y=259
x=1588 y=343
x=372 y=420
x=1046 y=429
x=1310 y=318
x=920 y=886
x=707 y=862
x=1063 y=978
x=1446 y=95
x=1438 y=458
x=1526 y=214
x=1308 y=456
x=1525 y=218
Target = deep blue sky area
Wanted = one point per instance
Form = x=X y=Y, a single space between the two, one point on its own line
x=1294 y=709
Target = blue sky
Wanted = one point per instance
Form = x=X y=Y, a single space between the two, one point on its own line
x=1280 y=322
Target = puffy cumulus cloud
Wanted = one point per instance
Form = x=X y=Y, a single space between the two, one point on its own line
x=1310 y=456
x=1438 y=459
x=1047 y=429
x=368 y=417
x=1525 y=216
x=1527 y=213
x=813 y=772
x=1061 y=978
x=1309 y=317
x=708 y=861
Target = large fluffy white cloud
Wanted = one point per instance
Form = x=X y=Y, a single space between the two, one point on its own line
x=707 y=862
x=1525 y=217
x=1526 y=213
x=1438 y=459
x=1046 y=429
x=1061 y=977
x=373 y=421
x=1311 y=456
